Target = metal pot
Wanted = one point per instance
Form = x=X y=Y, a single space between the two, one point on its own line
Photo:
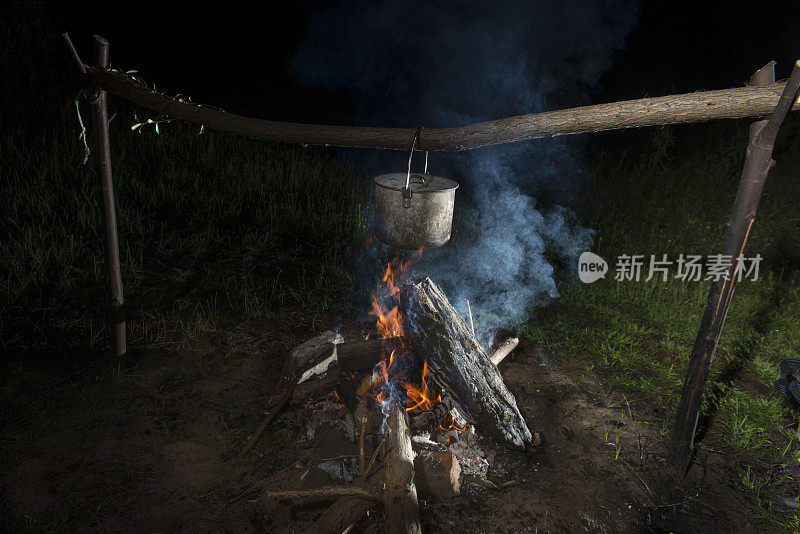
x=414 y=210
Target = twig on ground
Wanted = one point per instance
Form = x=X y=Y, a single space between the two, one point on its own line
x=324 y=492
x=481 y=481
x=372 y=458
x=268 y=419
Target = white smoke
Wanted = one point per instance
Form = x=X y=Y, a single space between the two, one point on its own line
x=446 y=64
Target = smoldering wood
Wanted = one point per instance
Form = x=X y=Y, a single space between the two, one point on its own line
x=504 y=349
x=437 y=474
x=365 y=354
x=344 y=357
x=701 y=106
x=401 y=508
x=108 y=212
x=758 y=162
x=327 y=361
x=458 y=364
x=316 y=389
x=347 y=394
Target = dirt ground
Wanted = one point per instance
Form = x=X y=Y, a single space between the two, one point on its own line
x=157 y=450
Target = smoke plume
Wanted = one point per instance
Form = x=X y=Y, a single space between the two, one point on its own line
x=439 y=64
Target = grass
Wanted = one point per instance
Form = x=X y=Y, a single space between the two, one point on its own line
x=210 y=226
x=673 y=196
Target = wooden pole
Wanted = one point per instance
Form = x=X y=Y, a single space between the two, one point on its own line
x=736 y=103
x=756 y=166
x=401 y=508
x=102 y=154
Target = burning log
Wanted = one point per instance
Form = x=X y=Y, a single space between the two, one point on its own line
x=460 y=367
x=353 y=356
x=401 y=509
x=361 y=355
x=438 y=474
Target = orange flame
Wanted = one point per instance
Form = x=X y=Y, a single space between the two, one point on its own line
x=450 y=423
x=389 y=324
x=421 y=397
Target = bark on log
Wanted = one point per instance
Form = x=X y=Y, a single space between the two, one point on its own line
x=736 y=103
x=438 y=474
x=757 y=164
x=401 y=509
x=458 y=364
x=361 y=355
x=310 y=353
x=316 y=389
x=108 y=213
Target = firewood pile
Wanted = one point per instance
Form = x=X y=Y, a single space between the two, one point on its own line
x=418 y=410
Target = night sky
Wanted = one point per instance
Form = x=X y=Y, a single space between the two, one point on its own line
x=236 y=56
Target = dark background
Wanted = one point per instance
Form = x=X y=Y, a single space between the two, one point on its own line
x=236 y=56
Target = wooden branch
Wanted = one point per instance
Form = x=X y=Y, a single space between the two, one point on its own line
x=504 y=349
x=373 y=457
x=268 y=419
x=108 y=213
x=324 y=492
x=702 y=106
x=362 y=427
x=756 y=166
x=401 y=509
x=74 y=53
x=305 y=355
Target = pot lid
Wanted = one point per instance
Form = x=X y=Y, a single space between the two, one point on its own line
x=420 y=183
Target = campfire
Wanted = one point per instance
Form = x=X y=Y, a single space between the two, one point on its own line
x=419 y=392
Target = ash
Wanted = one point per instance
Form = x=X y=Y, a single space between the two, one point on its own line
x=430 y=432
x=441 y=429
x=331 y=413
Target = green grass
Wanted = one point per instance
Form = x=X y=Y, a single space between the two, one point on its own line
x=210 y=226
x=671 y=197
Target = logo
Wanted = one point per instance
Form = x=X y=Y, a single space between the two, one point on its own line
x=591 y=267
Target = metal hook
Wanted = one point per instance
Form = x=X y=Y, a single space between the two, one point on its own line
x=407 y=189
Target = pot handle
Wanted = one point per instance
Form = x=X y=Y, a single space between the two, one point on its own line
x=407 y=189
